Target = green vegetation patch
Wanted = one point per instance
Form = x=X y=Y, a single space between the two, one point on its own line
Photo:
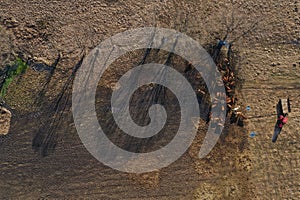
x=10 y=72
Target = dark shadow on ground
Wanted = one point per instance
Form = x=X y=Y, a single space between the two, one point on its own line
x=45 y=140
x=277 y=129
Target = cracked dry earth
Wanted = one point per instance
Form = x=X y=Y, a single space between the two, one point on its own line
x=266 y=42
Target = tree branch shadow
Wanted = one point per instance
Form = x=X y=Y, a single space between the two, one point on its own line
x=46 y=138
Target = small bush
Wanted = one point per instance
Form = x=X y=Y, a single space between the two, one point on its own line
x=17 y=68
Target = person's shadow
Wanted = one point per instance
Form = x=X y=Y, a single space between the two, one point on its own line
x=277 y=129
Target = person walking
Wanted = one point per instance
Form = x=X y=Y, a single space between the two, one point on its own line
x=282 y=120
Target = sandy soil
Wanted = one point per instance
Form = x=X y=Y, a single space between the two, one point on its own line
x=266 y=42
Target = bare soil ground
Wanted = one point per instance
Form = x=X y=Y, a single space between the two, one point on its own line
x=266 y=42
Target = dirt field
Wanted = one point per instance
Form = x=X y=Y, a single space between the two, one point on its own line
x=266 y=43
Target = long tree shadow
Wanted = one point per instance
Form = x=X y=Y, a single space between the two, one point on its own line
x=45 y=139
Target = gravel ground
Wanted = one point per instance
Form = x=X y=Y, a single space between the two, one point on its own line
x=266 y=42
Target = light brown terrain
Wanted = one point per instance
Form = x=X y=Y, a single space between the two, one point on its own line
x=266 y=43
